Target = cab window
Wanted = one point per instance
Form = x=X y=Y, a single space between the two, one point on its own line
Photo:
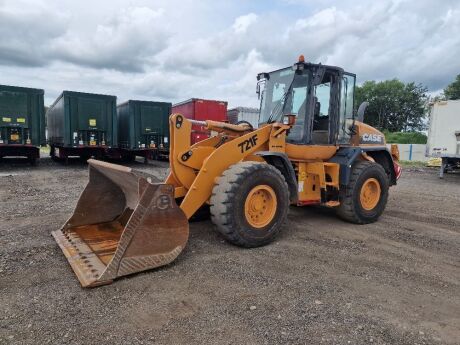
x=347 y=89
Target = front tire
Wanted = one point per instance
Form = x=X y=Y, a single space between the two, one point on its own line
x=249 y=204
x=365 y=197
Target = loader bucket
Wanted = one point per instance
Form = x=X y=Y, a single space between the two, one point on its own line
x=122 y=224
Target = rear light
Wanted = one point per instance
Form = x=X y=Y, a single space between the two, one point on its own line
x=398 y=170
x=395 y=152
x=289 y=120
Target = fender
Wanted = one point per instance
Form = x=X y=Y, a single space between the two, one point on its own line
x=346 y=156
x=383 y=156
x=281 y=161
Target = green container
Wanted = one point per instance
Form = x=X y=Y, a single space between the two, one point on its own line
x=78 y=119
x=22 y=116
x=143 y=124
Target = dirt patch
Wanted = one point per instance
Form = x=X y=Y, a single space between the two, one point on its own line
x=323 y=281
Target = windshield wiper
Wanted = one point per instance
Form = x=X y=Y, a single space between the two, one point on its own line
x=281 y=104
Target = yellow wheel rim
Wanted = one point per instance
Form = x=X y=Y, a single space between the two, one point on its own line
x=260 y=206
x=370 y=194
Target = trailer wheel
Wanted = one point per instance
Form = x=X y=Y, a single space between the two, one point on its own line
x=84 y=158
x=53 y=153
x=365 y=197
x=249 y=204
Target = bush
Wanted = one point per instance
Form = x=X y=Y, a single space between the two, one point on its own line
x=405 y=138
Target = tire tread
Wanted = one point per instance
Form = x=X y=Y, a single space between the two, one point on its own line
x=223 y=194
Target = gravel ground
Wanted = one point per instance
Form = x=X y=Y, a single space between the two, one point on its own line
x=323 y=281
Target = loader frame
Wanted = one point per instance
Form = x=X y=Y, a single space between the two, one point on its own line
x=124 y=223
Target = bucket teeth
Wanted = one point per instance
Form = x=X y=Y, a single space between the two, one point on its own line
x=86 y=265
x=122 y=225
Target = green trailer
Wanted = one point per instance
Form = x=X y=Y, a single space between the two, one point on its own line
x=143 y=129
x=22 y=122
x=82 y=124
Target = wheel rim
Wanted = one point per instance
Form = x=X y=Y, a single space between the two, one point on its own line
x=260 y=206
x=370 y=194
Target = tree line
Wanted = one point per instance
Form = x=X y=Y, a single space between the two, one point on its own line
x=395 y=106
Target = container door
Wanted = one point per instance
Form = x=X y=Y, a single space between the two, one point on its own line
x=151 y=124
x=14 y=123
x=200 y=113
x=92 y=121
x=211 y=110
x=199 y=136
x=186 y=109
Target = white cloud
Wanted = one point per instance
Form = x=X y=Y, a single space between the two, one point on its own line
x=242 y=23
x=126 y=41
x=171 y=50
x=26 y=32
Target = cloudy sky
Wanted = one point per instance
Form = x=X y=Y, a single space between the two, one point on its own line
x=175 y=50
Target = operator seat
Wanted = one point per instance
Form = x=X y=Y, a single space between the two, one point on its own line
x=320 y=133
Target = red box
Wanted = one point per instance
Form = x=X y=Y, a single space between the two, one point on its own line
x=201 y=109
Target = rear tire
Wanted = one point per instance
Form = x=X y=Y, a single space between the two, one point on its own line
x=249 y=204
x=365 y=197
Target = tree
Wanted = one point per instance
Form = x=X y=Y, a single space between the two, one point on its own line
x=393 y=105
x=452 y=91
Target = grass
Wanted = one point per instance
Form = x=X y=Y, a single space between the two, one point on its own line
x=417 y=164
x=405 y=137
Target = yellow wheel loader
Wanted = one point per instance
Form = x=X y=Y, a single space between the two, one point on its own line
x=309 y=149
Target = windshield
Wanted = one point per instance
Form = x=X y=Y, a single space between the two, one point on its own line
x=285 y=92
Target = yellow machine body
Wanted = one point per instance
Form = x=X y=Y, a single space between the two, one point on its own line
x=124 y=224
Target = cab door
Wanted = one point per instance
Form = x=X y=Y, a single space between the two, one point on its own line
x=347 y=93
x=325 y=108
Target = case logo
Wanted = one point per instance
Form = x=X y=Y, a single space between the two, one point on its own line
x=372 y=138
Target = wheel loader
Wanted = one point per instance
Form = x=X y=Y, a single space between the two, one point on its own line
x=310 y=149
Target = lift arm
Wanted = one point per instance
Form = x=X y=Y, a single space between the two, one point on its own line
x=194 y=168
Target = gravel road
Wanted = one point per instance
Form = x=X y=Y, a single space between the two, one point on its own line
x=323 y=281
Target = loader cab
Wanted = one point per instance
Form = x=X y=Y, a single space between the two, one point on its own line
x=321 y=97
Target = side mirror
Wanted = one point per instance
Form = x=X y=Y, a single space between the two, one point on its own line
x=258 y=90
x=361 y=110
